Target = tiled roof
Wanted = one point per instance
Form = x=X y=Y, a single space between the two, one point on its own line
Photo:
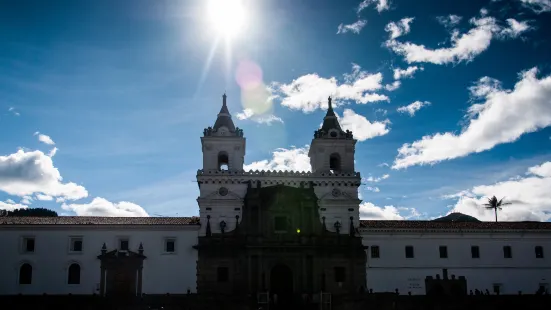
x=98 y=220
x=375 y=224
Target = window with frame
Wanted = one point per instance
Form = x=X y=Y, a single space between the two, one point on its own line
x=124 y=244
x=73 y=274
x=222 y=274
x=170 y=245
x=340 y=274
x=475 y=251
x=280 y=223
x=507 y=252
x=28 y=244
x=75 y=244
x=375 y=251
x=443 y=250
x=539 y=251
x=497 y=288
x=409 y=251
x=25 y=274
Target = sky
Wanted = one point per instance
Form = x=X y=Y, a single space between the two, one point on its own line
x=103 y=103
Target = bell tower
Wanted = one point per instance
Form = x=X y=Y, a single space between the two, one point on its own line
x=332 y=149
x=224 y=144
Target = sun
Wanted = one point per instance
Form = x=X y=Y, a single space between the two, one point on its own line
x=228 y=17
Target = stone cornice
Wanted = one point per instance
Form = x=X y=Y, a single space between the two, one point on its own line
x=293 y=178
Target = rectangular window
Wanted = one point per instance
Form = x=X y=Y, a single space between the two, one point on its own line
x=75 y=244
x=507 y=252
x=280 y=223
x=222 y=274
x=123 y=244
x=28 y=245
x=170 y=245
x=475 y=251
x=443 y=251
x=375 y=251
x=539 y=251
x=497 y=288
x=340 y=274
x=409 y=251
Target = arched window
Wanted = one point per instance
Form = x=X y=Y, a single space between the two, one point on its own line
x=223 y=161
x=74 y=274
x=25 y=274
x=335 y=162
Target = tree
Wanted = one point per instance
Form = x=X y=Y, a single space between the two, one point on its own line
x=32 y=212
x=494 y=204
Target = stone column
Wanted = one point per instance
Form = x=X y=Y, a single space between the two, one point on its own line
x=139 y=291
x=102 y=280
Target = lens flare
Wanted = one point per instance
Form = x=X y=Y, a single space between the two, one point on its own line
x=254 y=94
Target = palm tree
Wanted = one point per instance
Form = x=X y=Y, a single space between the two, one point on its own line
x=494 y=204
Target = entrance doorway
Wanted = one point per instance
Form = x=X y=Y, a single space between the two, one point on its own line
x=281 y=283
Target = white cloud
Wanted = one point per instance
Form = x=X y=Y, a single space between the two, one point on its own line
x=53 y=152
x=27 y=173
x=292 y=159
x=449 y=21
x=543 y=170
x=394 y=86
x=406 y=73
x=10 y=205
x=258 y=118
x=493 y=122
x=377 y=180
x=383 y=165
x=400 y=28
x=44 y=138
x=380 y=5
x=374 y=189
x=538 y=6
x=362 y=128
x=26 y=200
x=12 y=110
x=369 y=211
x=44 y=197
x=530 y=197
x=354 y=28
x=464 y=47
x=515 y=28
x=413 y=107
x=102 y=207
x=309 y=92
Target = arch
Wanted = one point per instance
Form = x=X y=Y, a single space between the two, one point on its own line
x=25 y=274
x=335 y=162
x=223 y=161
x=73 y=274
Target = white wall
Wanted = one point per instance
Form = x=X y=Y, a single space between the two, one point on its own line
x=162 y=273
x=521 y=272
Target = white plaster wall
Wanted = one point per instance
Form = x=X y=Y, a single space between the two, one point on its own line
x=521 y=272
x=322 y=150
x=338 y=208
x=162 y=273
x=222 y=208
x=234 y=146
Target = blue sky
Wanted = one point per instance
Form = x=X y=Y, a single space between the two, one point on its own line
x=123 y=90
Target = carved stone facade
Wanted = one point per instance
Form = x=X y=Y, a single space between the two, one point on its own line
x=286 y=233
x=281 y=247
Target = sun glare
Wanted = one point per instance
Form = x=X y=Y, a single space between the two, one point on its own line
x=227 y=17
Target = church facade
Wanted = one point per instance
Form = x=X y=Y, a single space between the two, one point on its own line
x=287 y=233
